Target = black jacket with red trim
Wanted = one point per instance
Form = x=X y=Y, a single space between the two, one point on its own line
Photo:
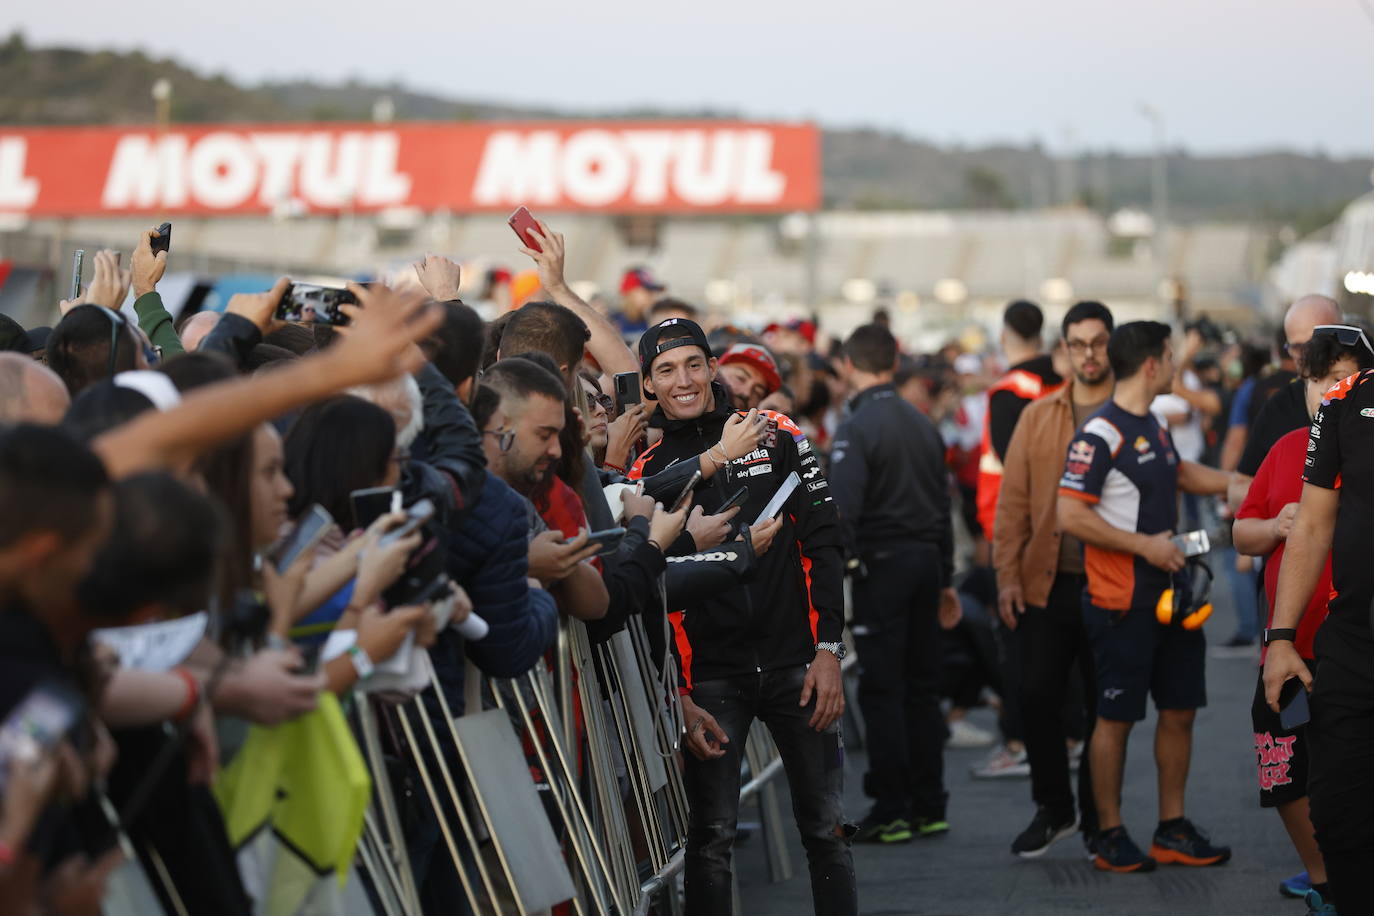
x=795 y=598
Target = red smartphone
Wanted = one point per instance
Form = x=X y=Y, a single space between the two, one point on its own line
x=522 y=221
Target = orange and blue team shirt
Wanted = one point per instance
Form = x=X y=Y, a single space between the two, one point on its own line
x=1126 y=468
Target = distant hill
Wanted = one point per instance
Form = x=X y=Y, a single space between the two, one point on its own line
x=862 y=168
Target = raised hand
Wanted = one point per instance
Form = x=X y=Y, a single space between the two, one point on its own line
x=385 y=326
x=550 y=260
x=260 y=308
x=145 y=267
x=439 y=276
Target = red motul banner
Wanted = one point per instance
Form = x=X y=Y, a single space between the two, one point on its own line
x=622 y=167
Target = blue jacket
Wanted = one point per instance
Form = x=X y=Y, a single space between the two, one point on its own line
x=489 y=557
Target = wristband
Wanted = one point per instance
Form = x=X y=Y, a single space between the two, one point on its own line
x=721 y=462
x=362 y=662
x=192 y=700
x=613 y=467
x=654 y=544
x=1276 y=634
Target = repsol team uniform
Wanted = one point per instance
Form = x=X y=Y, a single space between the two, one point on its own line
x=1126 y=467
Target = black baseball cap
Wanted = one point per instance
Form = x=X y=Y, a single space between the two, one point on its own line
x=674 y=332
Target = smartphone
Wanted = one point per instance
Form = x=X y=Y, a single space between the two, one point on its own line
x=309 y=531
x=416 y=516
x=1293 y=710
x=736 y=499
x=609 y=540
x=312 y=302
x=686 y=492
x=789 y=484
x=43 y=718
x=163 y=240
x=627 y=391
x=1193 y=543
x=78 y=260
x=370 y=504
x=522 y=221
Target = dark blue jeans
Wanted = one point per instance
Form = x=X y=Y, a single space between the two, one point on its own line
x=814 y=762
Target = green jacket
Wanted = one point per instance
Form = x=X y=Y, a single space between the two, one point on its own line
x=156 y=322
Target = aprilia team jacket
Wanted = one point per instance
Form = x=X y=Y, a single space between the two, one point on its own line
x=795 y=598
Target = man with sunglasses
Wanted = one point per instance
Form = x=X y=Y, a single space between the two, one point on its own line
x=1286 y=410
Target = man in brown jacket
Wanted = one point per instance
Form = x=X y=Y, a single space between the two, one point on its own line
x=1040 y=580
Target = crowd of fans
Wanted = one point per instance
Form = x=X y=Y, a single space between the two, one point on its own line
x=564 y=471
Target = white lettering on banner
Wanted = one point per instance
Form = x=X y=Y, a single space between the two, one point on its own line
x=596 y=167
x=224 y=170
x=17 y=190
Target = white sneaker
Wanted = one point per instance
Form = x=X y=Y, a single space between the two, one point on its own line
x=964 y=734
x=1002 y=763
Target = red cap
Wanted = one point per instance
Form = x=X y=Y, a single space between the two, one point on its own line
x=806 y=329
x=760 y=359
x=640 y=278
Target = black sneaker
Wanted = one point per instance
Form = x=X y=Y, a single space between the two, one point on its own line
x=873 y=829
x=1045 y=828
x=1184 y=844
x=1116 y=851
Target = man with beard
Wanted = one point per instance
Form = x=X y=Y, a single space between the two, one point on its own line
x=1119 y=496
x=1040 y=579
x=749 y=373
x=520 y=435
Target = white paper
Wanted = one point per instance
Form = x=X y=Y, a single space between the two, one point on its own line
x=155 y=646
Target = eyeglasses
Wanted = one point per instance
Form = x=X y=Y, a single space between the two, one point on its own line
x=117 y=324
x=504 y=437
x=1346 y=335
x=1079 y=347
x=605 y=400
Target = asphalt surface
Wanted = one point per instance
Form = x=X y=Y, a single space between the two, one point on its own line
x=971 y=869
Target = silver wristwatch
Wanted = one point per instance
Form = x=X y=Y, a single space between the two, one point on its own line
x=836 y=649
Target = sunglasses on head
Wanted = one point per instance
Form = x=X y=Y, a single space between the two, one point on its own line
x=117 y=324
x=1346 y=335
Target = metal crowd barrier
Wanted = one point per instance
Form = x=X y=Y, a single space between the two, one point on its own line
x=604 y=828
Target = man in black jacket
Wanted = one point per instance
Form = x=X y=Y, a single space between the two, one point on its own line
x=768 y=650
x=887 y=473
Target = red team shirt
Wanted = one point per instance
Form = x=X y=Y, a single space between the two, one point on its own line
x=1278 y=483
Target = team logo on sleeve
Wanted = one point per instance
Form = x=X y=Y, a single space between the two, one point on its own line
x=1141 y=444
x=1367 y=412
x=1080 y=459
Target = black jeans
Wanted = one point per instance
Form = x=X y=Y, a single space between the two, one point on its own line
x=1340 y=784
x=896 y=631
x=814 y=762
x=1053 y=641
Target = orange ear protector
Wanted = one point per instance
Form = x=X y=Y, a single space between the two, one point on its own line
x=1172 y=611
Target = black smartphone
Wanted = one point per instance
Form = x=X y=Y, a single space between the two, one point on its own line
x=43 y=718
x=163 y=240
x=309 y=531
x=627 y=391
x=609 y=540
x=310 y=302
x=370 y=504
x=1293 y=709
x=416 y=516
x=686 y=493
x=78 y=260
x=736 y=499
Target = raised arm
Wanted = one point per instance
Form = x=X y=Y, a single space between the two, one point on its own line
x=386 y=328
x=606 y=345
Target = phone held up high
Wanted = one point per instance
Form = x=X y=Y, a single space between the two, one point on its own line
x=310 y=302
x=78 y=260
x=523 y=222
x=163 y=240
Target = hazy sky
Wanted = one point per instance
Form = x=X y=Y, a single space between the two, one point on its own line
x=1227 y=75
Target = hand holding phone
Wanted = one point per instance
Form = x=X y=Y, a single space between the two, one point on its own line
x=305 y=536
x=523 y=223
x=1294 y=711
x=310 y=302
x=736 y=498
x=686 y=492
x=627 y=391
x=163 y=240
x=1193 y=543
